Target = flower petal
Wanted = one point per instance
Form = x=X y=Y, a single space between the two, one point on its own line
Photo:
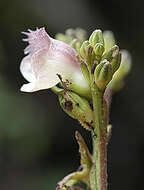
x=37 y=40
x=26 y=69
x=42 y=70
x=47 y=58
x=28 y=87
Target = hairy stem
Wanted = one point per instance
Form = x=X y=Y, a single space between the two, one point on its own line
x=98 y=174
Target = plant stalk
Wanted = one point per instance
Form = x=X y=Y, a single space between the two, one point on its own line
x=98 y=176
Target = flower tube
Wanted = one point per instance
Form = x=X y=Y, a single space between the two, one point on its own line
x=45 y=59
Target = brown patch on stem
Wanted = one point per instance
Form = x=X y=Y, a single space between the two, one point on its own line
x=68 y=105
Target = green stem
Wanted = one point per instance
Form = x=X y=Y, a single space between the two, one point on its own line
x=98 y=174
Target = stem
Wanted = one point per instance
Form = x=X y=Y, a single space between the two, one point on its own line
x=98 y=174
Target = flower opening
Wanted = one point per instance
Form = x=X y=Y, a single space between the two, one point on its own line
x=45 y=58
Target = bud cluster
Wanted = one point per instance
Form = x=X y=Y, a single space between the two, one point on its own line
x=102 y=62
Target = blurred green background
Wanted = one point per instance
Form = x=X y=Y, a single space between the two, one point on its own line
x=37 y=145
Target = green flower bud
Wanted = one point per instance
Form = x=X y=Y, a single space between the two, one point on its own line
x=96 y=37
x=70 y=32
x=109 y=40
x=85 y=71
x=114 y=57
x=99 y=49
x=80 y=34
x=116 y=60
x=87 y=53
x=86 y=50
x=125 y=65
x=117 y=81
x=62 y=37
x=108 y=54
x=77 y=107
x=103 y=74
x=75 y=44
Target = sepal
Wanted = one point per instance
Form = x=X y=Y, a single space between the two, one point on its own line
x=77 y=107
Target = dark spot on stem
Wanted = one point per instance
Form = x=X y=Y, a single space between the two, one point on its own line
x=68 y=105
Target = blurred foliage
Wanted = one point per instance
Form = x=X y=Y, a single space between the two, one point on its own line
x=22 y=136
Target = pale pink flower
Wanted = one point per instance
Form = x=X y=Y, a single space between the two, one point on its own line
x=47 y=57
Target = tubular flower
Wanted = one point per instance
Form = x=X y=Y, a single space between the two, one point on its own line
x=45 y=59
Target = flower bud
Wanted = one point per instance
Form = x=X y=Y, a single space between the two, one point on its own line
x=75 y=44
x=114 y=57
x=125 y=65
x=108 y=54
x=85 y=72
x=62 y=37
x=81 y=34
x=116 y=60
x=117 y=81
x=96 y=37
x=77 y=107
x=98 y=49
x=70 y=32
x=109 y=40
x=103 y=74
x=85 y=50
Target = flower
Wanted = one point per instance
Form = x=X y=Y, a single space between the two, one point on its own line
x=47 y=57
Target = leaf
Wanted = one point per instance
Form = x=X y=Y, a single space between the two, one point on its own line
x=80 y=176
